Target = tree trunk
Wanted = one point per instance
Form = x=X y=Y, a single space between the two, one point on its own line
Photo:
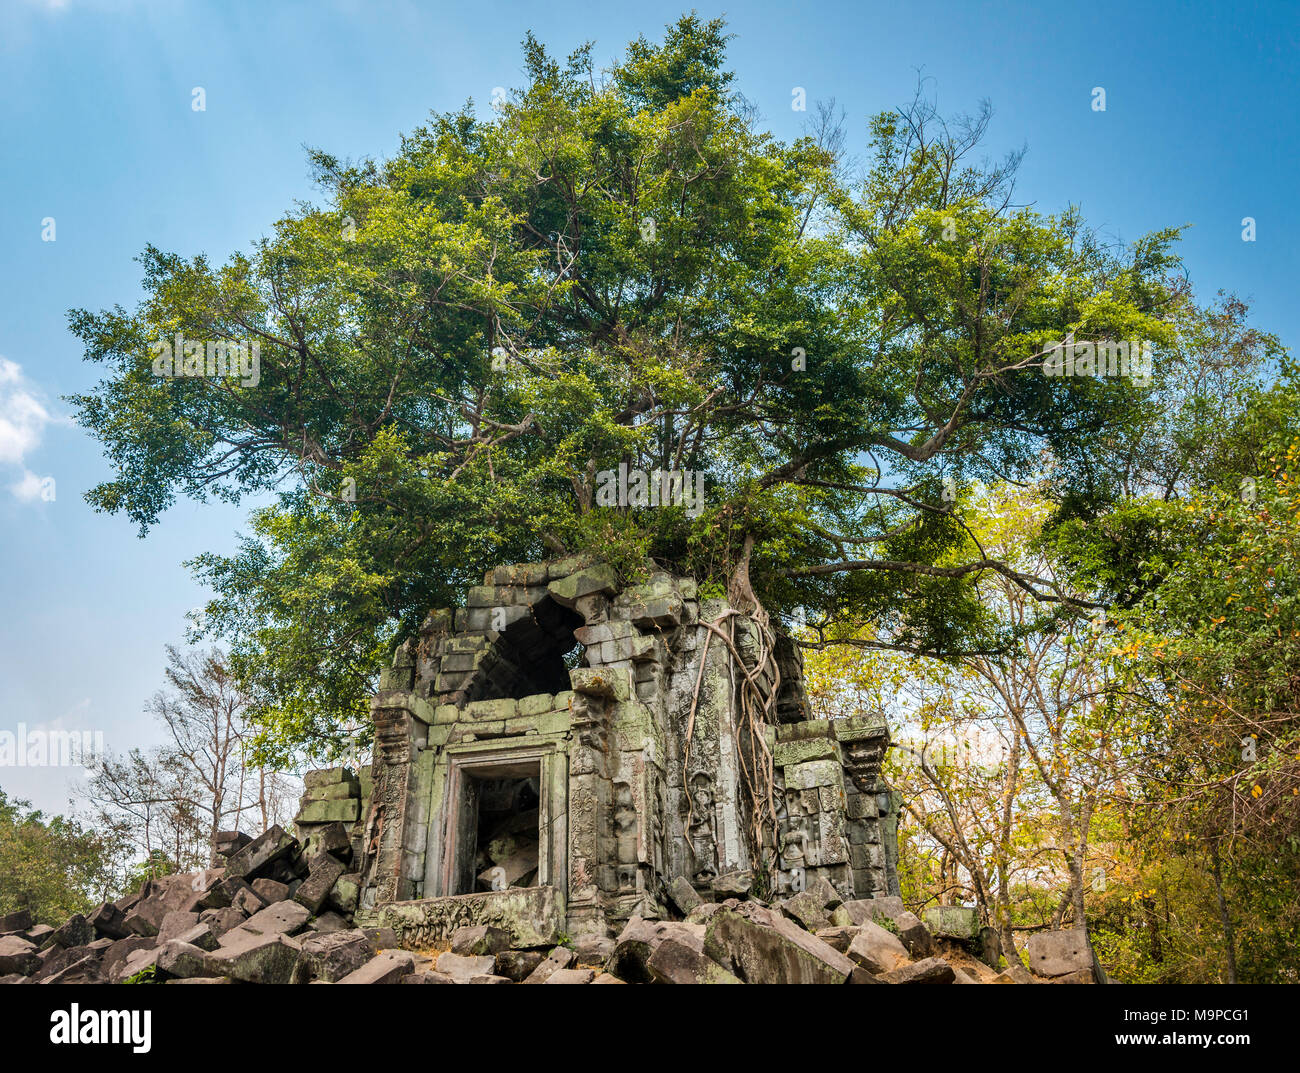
x=1015 y=966
x=1229 y=938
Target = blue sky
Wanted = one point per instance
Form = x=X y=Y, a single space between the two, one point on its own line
x=98 y=133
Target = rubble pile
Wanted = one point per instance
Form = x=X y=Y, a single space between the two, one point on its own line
x=281 y=911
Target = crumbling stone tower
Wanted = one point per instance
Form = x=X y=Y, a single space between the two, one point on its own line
x=542 y=763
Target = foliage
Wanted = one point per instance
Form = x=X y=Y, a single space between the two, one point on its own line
x=615 y=268
x=51 y=865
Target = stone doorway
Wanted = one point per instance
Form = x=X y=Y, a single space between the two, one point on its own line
x=504 y=849
x=499 y=833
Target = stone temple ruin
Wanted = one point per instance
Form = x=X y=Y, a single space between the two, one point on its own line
x=554 y=755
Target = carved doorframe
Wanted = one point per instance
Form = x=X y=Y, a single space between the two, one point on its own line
x=500 y=758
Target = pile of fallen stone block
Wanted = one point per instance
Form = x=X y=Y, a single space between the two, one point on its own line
x=281 y=911
x=816 y=937
x=278 y=911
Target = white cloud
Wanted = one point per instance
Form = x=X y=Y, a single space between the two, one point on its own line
x=22 y=424
x=22 y=417
x=27 y=488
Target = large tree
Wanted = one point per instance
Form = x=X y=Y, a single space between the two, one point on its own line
x=619 y=266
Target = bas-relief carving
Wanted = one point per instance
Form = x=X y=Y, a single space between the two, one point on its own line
x=700 y=823
x=625 y=836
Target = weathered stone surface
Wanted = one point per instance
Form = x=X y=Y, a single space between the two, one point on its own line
x=824 y=891
x=16 y=921
x=612 y=683
x=382 y=939
x=426 y=978
x=175 y=924
x=75 y=931
x=929 y=971
x=220 y=894
x=332 y=838
x=988 y=947
x=675 y=962
x=136 y=961
x=572 y=976
x=806 y=910
x=594 y=949
x=330 y=921
x=560 y=958
x=222 y=920
x=256 y=959
x=261 y=853
x=532 y=916
x=517 y=964
x=662 y=612
x=38 y=933
x=201 y=980
x=639 y=940
x=83 y=970
x=248 y=901
x=953 y=922
x=567 y=590
x=838 y=937
x=386 y=968
x=914 y=935
x=780 y=953
x=1056 y=953
x=701 y=913
x=1079 y=976
x=17 y=955
x=229 y=843
x=683 y=895
x=181 y=959
x=345 y=810
x=315 y=889
x=270 y=890
x=733 y=883
x=55 y=959
x=515 y=865
x=861 y=910
x=489 y=978
x=802 y=752
x=330 y=776
x=115 y=956
x=283 y=918
x=346 y=895
x=201 y=935
x=108 y=921
x=462 y=968
x=332 y=956
x=479 y=940
x=876 y=949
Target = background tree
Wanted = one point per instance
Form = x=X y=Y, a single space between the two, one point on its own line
x=171 y=801
x=52 y=866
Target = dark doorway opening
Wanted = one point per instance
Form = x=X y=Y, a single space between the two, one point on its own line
x=498 y=843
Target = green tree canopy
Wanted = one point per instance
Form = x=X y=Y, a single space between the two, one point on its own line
x=617 y=267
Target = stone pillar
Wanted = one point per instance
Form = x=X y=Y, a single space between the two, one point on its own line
x=399 y=737
x=589 y=798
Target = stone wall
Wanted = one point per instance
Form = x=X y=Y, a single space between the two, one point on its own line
x=557 y=683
